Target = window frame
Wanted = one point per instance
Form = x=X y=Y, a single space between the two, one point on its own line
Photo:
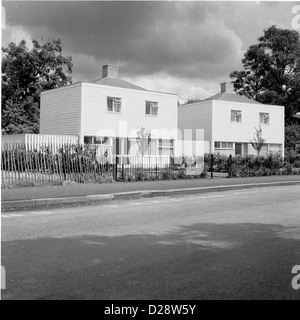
x=268 y=117
x=162 y=146
x=235 y=113
x=153 y=105
x=274 y=150
x=227 y=145
x=114 y=101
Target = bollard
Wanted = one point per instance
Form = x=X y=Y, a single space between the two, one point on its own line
x=230 y=166
x=211 y=166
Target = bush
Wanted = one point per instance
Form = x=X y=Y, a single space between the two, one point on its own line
x=252 y=165
x=295 y=171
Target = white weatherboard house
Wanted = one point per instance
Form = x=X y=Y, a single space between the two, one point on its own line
x=229 y=121
x=109 y=111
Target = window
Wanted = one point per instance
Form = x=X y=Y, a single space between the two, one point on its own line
x=223 y=145
x=101 y=140
x=275 y=148
x=166 y=147
x=236 y=116
x=151 y=108
x=264 y=118
x=113 y=104
x=96 y=140
x=88 y=140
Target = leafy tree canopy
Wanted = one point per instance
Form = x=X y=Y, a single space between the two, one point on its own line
x=192 y=100
x=25 y=74
x=271 y=72
x=292 y=136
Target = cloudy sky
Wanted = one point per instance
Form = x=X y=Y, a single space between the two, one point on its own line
x=180 y=47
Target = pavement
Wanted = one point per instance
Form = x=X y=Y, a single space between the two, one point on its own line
x=86 y=194
x=237 y=244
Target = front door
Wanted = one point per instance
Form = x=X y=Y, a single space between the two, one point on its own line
x=238 y=148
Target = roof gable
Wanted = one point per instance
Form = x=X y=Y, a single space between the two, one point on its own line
x=116 y=82
x=231 y=97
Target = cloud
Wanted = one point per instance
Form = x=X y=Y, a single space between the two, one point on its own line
x=181 y=47
x=186 y=88
x=16 y=34
x=182 y=39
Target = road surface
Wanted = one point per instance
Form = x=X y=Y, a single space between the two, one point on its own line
x=228 y=245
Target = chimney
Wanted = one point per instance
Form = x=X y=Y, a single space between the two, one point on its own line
x=110 y=71
x=227 y=87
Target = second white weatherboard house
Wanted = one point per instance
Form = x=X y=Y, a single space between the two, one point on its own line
x=109 y=111
x=229 y=121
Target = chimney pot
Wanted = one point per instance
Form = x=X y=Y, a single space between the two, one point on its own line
x=110 y=71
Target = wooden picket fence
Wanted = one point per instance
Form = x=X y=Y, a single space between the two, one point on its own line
x=71 y=162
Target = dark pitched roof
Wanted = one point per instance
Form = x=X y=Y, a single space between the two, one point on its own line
x=116 y=82
x=232 y=97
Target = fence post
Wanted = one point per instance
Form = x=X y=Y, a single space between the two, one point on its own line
x=230 y=166
x=211 y=166
x=116 y=169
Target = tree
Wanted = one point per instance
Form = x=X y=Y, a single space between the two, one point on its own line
x=143 y=140
x=25 y=74
x=292 y=136
x=258 y=140
x=271 y=72
x=192 y=100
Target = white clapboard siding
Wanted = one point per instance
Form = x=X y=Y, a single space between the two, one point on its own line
x=81 y=109
x=96 y=120
x=192 y=147
x=196 y=116
x=60 y=111
x=225 y=130
x=214 y=117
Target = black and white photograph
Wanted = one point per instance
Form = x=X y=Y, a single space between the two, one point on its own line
x=150 y=153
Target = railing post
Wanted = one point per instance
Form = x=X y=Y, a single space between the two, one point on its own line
x=116 y=169
x=211 y=166
x=230 y=166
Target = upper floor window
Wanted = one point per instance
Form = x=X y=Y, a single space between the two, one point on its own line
x=151 y=108
x=113 y=104
x=236 y=115
x=264 y=118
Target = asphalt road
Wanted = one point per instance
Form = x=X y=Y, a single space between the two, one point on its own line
x=228 y=245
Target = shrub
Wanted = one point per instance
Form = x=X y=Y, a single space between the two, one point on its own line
x=295 y=171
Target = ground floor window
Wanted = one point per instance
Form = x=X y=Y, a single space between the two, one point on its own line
x=275 y=148
x=96 y=140
x=166 y=147
x=243 y=148
x=130 y=146
x=223 y=145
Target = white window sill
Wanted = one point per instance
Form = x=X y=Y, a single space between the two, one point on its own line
x=113 y=112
